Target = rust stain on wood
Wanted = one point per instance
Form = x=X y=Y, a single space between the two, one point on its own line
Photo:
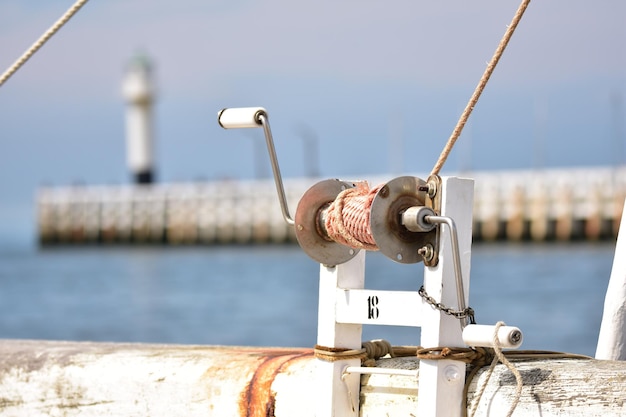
x=257 y=400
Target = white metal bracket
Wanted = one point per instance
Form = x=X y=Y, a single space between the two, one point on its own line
x=403 y=205
x=344 y=306
x=441 y=382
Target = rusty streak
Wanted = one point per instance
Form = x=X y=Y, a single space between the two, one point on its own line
x=257 y=400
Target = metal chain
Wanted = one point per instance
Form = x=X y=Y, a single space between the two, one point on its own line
x=459 y=314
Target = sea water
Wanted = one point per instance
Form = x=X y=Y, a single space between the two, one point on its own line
x=267 y=295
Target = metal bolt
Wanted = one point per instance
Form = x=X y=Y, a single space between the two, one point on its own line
x=430 y=188
x=452 y=374
x=427 y=252
x=384 y=192
x=515 y=337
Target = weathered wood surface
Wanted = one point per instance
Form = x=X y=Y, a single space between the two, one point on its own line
x=43 y=378
x=46 y=378
x=551 y=387
x=567 y=387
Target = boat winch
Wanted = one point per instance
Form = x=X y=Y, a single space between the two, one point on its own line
x=336 y=223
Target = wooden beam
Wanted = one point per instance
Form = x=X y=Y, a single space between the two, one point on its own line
x=43 y=378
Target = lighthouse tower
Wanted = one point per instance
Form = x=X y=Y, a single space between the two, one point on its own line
x=139 y=92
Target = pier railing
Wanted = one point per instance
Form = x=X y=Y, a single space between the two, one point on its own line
x=539 y=205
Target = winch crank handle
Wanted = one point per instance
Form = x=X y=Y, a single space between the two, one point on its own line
x=248 y=117
x=460 y=292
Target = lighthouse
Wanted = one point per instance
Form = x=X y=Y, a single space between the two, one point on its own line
x=138 y=91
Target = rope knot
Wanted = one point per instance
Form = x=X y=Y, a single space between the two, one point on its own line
x=378 y=348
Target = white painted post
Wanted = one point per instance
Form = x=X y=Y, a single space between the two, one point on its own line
x=612 y=338
x=336 y=396
x=441 y=381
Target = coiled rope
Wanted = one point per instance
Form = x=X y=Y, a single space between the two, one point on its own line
x=479 y=88
x=42 y=39
x=348 y=217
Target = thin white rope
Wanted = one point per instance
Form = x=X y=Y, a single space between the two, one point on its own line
x=481 y=390
x=518 y=376
x=499 y=357
x=42 y=39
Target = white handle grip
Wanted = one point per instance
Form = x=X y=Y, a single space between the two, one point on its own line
x=482 y=335
x=241 y=117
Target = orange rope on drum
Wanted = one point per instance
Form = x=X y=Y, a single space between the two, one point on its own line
x=348 y=217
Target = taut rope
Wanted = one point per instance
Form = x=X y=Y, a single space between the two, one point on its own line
x=348 y=217
x=42 y=39
x=479 y=89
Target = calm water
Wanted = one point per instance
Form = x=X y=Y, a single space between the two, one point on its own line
x=268 y=295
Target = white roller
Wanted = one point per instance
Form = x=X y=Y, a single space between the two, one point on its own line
x=482 y=335
x=241 y=117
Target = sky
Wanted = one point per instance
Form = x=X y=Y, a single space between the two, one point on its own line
x=378 y=84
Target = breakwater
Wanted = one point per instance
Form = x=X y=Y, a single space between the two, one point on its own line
x=539 y=205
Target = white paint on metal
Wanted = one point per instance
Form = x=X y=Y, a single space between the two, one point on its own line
x=242 y=117
x=373 y=370
x=391 y=308
x=441 y=381
x=338 y=396
x=482 y=335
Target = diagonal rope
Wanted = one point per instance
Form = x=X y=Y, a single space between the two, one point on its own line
x=42 y=39
x=479 y=89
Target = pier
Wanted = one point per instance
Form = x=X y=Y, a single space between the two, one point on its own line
x=537 y=205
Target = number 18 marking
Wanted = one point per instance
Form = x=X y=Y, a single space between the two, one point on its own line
x=372 y=307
